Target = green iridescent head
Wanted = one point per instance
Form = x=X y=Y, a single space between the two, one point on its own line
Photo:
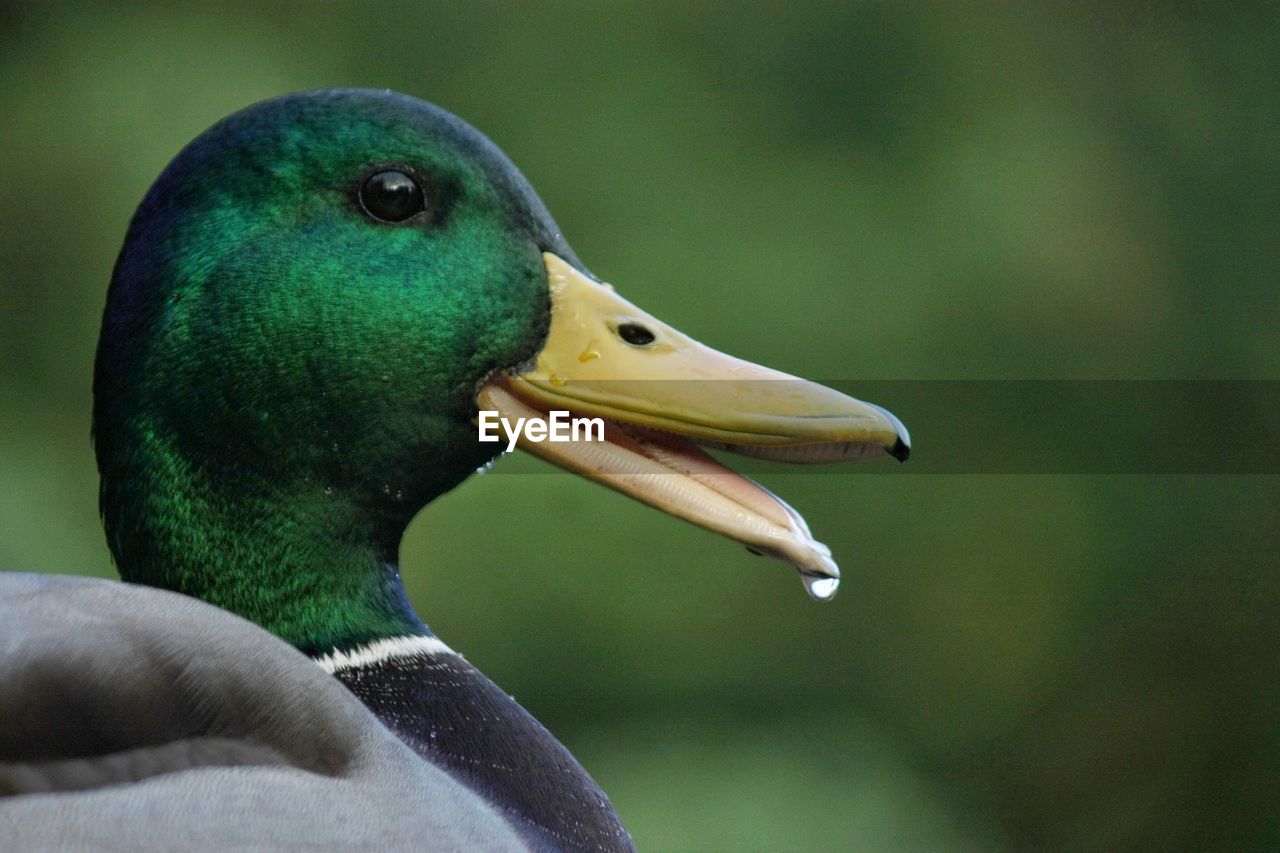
x=276 y=354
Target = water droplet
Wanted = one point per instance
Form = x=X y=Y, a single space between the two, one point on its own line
x=556 y=380
x=328 y=490
x=820 y=587
x=591 y=353
x=386 y=488
x=399 y=494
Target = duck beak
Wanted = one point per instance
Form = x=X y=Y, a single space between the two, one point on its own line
x=657 y=394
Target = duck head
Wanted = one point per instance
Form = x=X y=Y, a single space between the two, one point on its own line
x=314 y=304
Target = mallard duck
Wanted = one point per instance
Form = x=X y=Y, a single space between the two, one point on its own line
x=319 y=306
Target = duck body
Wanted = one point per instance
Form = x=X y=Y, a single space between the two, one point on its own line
x=133 y=718
x=312 y=302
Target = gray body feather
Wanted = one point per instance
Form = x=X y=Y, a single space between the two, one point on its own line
x=137 y=719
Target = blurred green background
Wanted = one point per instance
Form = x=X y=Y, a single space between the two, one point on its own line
x=875 y=191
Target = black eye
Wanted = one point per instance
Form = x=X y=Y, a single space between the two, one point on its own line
x=635 y=334
x=391 y=196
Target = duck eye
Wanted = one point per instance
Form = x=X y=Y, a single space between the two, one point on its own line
x=635 y=334
x=391 y=196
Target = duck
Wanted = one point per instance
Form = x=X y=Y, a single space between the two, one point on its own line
x=330 y=309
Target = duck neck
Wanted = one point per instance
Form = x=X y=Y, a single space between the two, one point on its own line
x=314 y=564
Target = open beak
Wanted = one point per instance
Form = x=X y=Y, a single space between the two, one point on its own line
x=658 y=392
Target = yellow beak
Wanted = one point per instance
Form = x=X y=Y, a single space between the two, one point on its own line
x=656 y=391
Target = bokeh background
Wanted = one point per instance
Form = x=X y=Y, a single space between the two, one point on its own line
x=885 y=192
